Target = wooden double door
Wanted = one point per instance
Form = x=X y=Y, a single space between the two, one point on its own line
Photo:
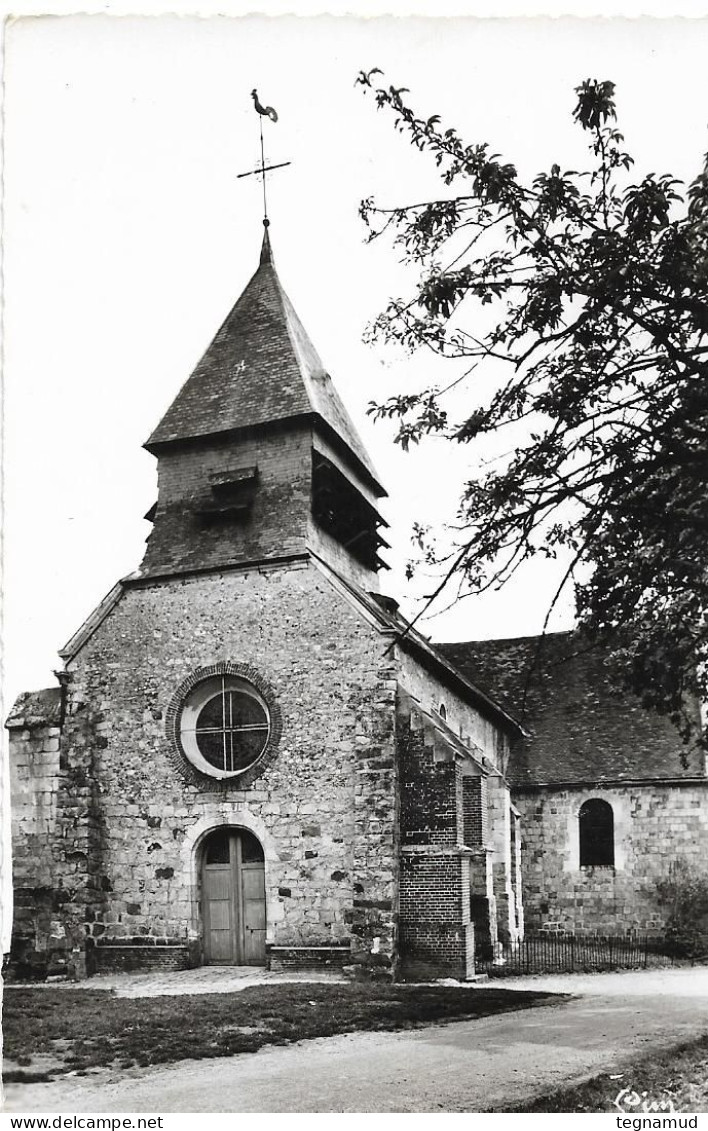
x=233 y=899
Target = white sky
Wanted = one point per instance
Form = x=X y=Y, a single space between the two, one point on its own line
x=127 y=238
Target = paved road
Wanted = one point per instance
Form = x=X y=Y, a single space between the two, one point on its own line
x=492 y=1063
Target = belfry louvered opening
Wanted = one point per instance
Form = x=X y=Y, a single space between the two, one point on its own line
x=343 y=512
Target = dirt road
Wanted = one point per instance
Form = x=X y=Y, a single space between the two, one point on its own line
x=492 y=1063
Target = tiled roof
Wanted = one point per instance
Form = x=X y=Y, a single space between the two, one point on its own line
x=260 y=368
x=582 y=728
x=36 y=709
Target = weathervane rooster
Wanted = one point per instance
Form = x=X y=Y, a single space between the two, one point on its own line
x=262 y=169
x=266 y=111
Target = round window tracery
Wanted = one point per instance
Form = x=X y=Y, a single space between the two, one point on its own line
x=224 y=726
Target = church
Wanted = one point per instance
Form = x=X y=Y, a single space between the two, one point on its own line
x=250 y=758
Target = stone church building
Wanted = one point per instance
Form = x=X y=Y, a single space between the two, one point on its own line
x=250 y=759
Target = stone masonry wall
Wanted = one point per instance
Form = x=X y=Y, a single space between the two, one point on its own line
x=323 y=807
x=39 y=936
x=374 y=920
x=508 y=901
x=276 y=524
x=655 y=825
x=462 y=718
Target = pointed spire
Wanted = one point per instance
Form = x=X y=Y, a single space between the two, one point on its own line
x=266 y=253
x=261 y=368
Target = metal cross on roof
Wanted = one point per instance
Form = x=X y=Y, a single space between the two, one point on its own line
x=262 y=169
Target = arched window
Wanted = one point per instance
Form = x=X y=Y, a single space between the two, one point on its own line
x=597 y=833
x=443 y=711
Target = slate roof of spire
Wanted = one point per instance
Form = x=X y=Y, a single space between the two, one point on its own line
x=260 y=368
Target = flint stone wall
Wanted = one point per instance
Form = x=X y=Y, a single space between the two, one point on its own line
x=127 y=822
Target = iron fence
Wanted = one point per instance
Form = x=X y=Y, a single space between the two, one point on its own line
x=557 y=953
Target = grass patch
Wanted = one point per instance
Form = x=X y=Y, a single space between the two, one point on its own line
x=675 y=1077
x=21 y=1076
x=83 y=1029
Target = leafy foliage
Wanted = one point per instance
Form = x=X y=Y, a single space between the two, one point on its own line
x=684 y=895
x=586 y=296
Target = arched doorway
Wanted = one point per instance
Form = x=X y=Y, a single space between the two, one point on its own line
x=233 y=898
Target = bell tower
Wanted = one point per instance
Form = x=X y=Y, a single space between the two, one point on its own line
x=258 y=459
